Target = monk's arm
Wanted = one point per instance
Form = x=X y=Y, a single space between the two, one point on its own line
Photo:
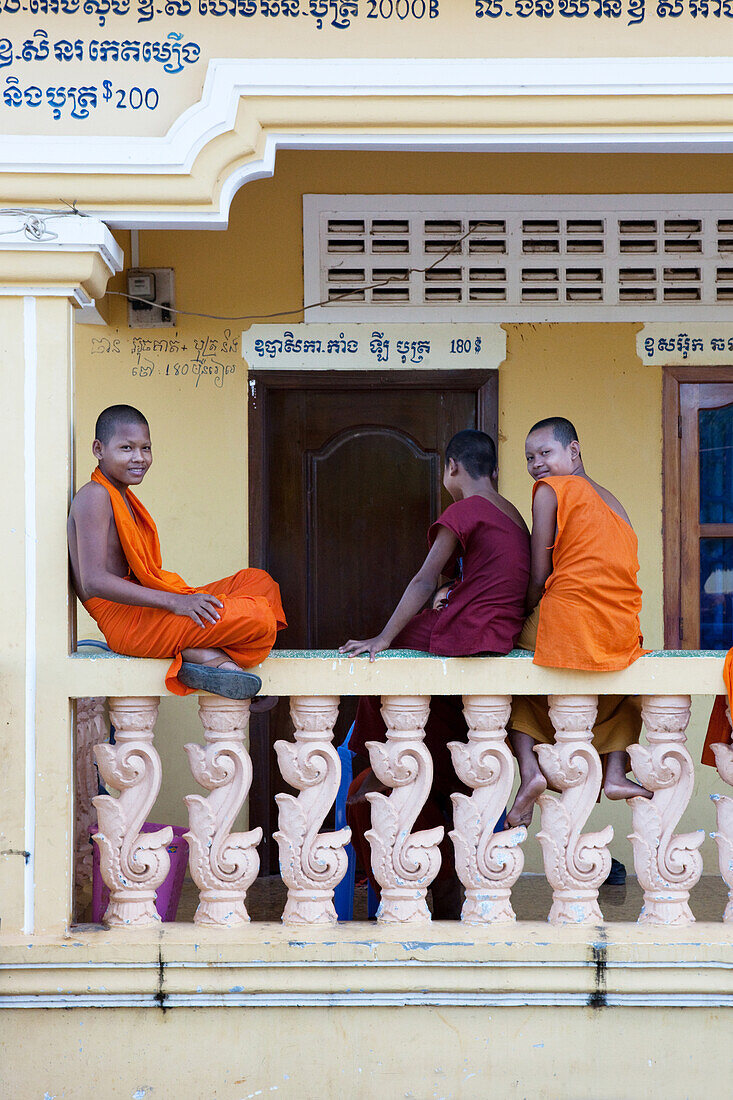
x=544 y=524
x=90 y=519
x=421 y=586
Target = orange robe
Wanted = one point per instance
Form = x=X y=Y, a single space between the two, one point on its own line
x=588 y=617
x=719 y=729
x=249 y=620
x=589 y=613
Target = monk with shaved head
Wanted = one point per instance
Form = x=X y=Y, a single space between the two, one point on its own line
x=212 y=632
x=584 y=606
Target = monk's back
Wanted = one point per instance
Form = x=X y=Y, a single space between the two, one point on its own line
x=589 y=614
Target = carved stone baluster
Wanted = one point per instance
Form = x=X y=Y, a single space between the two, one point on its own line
x=667 y=866
x=223 y=864
x=487 y=863
x=575 y=863
x=311 y=863
x=723 y=837
x=404 y=863
x=92 y=729
x=133 y=864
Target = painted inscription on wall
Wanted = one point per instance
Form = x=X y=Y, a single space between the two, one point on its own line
x=374 y=347
x=66 y=60
x=194 y=361
x=680 y=345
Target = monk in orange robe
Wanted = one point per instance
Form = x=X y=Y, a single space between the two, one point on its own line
x=719 y=728
x=212 y=632
x=584 y=606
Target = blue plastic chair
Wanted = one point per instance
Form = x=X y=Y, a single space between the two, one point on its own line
x=343 y=895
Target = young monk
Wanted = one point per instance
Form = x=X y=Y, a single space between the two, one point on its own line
x=211 y=632
x=584 y=603
x=482 y=535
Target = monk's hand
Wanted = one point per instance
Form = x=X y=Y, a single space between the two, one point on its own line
x=372 y=646
x=202 y=607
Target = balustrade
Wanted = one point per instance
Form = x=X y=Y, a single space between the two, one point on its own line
x=223 y=864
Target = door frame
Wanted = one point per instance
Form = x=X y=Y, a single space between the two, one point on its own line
x=674 y=441
x=484 y=383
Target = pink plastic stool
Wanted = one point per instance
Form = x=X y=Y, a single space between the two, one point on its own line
x=169 y=893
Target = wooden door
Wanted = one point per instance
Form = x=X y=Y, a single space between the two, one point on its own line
x=346 y=477
x=699 y=508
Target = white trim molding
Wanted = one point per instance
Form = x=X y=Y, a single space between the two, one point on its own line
x=229 y=80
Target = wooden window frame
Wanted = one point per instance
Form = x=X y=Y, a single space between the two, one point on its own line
x=681 y=623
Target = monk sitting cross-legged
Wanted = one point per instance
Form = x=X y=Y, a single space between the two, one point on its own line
x=584 y=606
x=211 y=632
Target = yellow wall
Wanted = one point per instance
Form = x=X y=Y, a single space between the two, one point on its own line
x=197 y=489
x=360 y=1054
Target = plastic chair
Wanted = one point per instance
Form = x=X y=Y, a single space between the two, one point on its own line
x=95 y=642
x=343 y=895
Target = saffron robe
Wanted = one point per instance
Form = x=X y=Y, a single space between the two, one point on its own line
x=719 y=729
x=589 y=613
x=588 y=617
x=249 y=619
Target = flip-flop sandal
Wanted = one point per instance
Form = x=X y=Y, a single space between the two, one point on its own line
x=220 y=681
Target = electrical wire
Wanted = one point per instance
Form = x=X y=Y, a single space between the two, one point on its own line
x=34 y=228
x=311 y=305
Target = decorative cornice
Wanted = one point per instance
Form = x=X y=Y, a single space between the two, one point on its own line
x=651 y=128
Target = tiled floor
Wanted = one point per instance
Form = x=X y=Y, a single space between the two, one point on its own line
x=531 y=898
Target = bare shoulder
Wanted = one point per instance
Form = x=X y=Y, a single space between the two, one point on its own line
x=90 y=502
x=544 y=497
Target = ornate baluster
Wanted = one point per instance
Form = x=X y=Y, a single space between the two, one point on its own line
x=723 y=837
x=575 y=864
x=311 y=863
x=92 y=729
x=404 y=863
x=133 y=864
x=667 y=866
x=223 y=864
x=488 y=864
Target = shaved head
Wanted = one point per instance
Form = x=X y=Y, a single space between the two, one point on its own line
x=562 y=429
x=475 y=451
x=110 y=419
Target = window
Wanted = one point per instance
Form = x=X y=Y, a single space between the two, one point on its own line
x=517 y=257
x=698 y=503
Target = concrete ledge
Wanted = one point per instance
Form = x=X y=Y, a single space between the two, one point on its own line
x=403 y=672
x=364 y=965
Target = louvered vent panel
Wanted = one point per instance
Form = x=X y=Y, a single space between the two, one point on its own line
x=504 y=257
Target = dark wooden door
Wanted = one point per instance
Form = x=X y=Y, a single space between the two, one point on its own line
x=346 y=477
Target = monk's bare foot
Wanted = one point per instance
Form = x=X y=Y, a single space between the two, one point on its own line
x=616 y=784
x=618 y=789
x=212 y=658
x=523 y=808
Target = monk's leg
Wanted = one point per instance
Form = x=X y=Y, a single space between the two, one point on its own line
x=618 y=725
x=616 y=783
x=528 y=725
x=531 y=780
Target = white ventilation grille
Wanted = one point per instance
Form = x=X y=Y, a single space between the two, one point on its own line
x=511 y=257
